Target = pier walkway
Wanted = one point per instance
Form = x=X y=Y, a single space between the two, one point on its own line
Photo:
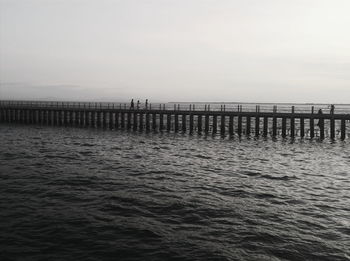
x=233 y=121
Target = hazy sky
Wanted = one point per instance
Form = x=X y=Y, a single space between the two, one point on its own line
x=176 y=50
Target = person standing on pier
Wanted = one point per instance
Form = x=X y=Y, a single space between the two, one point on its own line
x=138 y=104
x=332 y=109
x=132 y=104
x=146 y=104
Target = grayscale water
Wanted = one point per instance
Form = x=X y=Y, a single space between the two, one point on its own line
x=86 y=194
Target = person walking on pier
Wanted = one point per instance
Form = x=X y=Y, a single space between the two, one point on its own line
x=132 y=104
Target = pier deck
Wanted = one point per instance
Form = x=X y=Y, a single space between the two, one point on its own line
x=159 y=118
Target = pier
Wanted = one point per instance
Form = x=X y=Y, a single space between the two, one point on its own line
x=232 y=121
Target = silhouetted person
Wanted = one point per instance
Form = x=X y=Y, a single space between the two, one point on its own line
x=332 y=109
x=146 y=103
x=138 y=104
x=132 y=104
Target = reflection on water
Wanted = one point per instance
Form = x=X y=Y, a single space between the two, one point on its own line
x=68 y=194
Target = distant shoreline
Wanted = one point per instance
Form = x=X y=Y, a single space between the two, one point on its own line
x=273 y=103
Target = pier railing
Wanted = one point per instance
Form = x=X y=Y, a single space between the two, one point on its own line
x=234 y=119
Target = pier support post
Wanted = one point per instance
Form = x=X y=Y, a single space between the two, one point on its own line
x=135 y=121
x=191 y=123
x=141 y=121
x=21 y=116
x=332 y=126
x=183 y=122
x=248 y=125
x=104 y=120
x=222 y=127
x=215 y=123
x=99 y=119
x=122 y=120
x=312 y=128
x=266 y=127
x=24 y=116
x=128 y=126
x=33 y=117
x=11 y=116
x=116 y=119
x=8 y=116
x=7 y=119
x=71 y=119
x=230 y=125
x=321 y=126
x=82 y=120
x=274 y=126
x=284 y=127
x=65 y=117
x=161 y=121
x=206 y=127
x=147 y=122
x=257 y=126
x=40 y=116
x=93 y=119
x=111 y=125
x=54 y=117
x=76 y=118
x=199 y=124
x=47 y=117
x=87 y=118
x=292 y=127
x=27 y=116
x=176 y=116
x=36 y=116
x=60 y=118
x=14 y=115
x=343 y=129
x=239 y=130
x=1 y=115
x=154 y=121
x=168 y=122
x=302 y=127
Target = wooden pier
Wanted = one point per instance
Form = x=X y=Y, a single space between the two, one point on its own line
x=225 y=122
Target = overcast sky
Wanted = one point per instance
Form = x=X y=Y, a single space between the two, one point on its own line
x=176 y=50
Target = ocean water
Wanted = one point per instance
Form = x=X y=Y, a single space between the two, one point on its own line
x=88 y=194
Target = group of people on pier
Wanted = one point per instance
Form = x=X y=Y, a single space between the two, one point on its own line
x=132 y=105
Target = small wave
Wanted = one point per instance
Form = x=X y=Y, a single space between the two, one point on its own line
x=251 y=173
x=87 y=145
x=85 y=153
x=264 y=195
x=285 y=178
x=202 y=156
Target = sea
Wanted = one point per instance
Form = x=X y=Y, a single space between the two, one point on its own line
x=91 y=194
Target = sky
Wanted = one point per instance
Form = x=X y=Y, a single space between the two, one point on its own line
x=176 y=50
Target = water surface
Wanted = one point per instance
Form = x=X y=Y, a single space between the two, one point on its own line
x=86 y=194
